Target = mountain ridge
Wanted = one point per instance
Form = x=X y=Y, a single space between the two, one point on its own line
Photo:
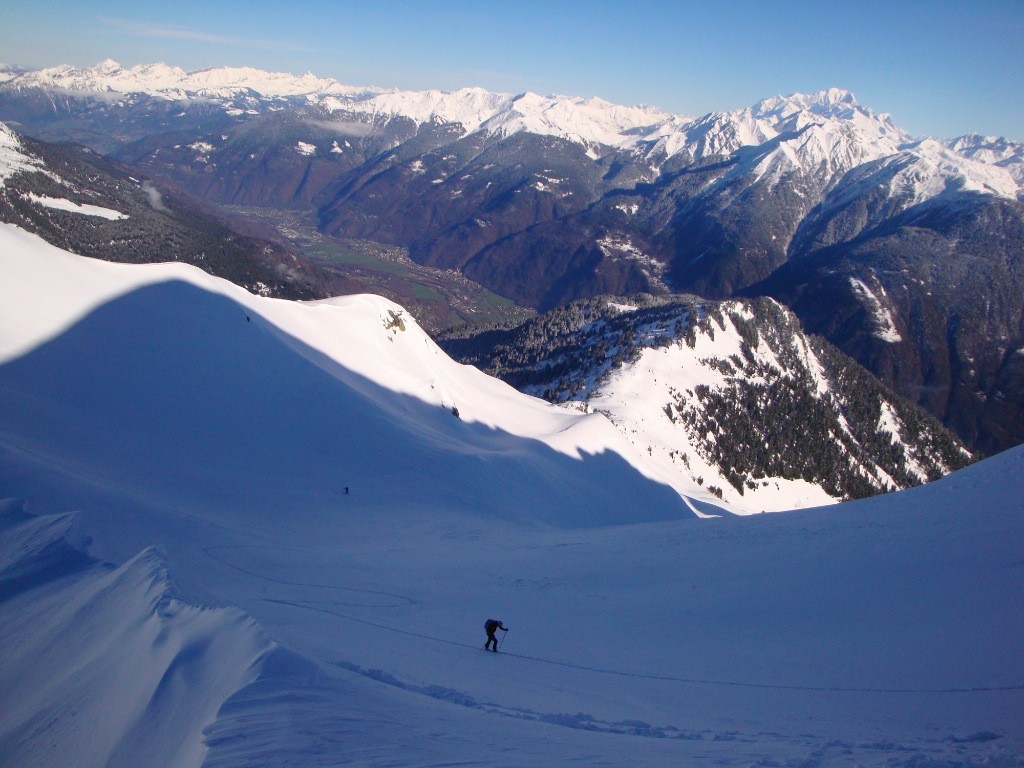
x=612 y=125
x=726 y=396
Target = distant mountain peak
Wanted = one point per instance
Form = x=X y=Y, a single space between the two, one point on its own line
x=829 y=98
x=107 y=65
x=830 y=104
x=173 y=83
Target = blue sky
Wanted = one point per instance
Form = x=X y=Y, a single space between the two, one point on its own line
x=940 y=68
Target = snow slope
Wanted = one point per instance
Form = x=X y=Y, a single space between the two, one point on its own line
x=112 y=670
x=386 y=391
x=172 y=410
x=635 y=399
x=13 y=157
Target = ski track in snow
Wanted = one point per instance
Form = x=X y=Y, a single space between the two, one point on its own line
x=398 y=600
x=313 y=605
x=404 y=600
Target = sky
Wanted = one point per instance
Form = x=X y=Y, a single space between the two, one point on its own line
x=940 y=68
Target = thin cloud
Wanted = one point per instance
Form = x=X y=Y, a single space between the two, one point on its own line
x=169 y=31
x=348 y=128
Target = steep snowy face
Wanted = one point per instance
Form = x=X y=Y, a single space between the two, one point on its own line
x=13 y=157
x=719 y=133
x=825 y=134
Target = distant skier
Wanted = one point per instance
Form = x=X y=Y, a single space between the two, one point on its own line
x=490 y=627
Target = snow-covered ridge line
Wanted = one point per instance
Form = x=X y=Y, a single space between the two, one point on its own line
x=124 y=680
x=992 y=150
x=365 y=343
x=582 y=120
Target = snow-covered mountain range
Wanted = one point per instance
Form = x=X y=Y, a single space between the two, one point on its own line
x=840 y=133
x=813 y=199
x=174 y=83
x=292 y=519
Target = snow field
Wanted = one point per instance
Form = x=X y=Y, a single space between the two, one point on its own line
x=85 y=209
x=101 y=667
x=173 y=410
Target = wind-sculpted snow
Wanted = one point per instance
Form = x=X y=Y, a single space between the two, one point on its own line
x=100 y=666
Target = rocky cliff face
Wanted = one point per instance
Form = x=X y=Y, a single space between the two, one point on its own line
x=932 y=304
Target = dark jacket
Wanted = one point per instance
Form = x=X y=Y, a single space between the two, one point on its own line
x=491 y=625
